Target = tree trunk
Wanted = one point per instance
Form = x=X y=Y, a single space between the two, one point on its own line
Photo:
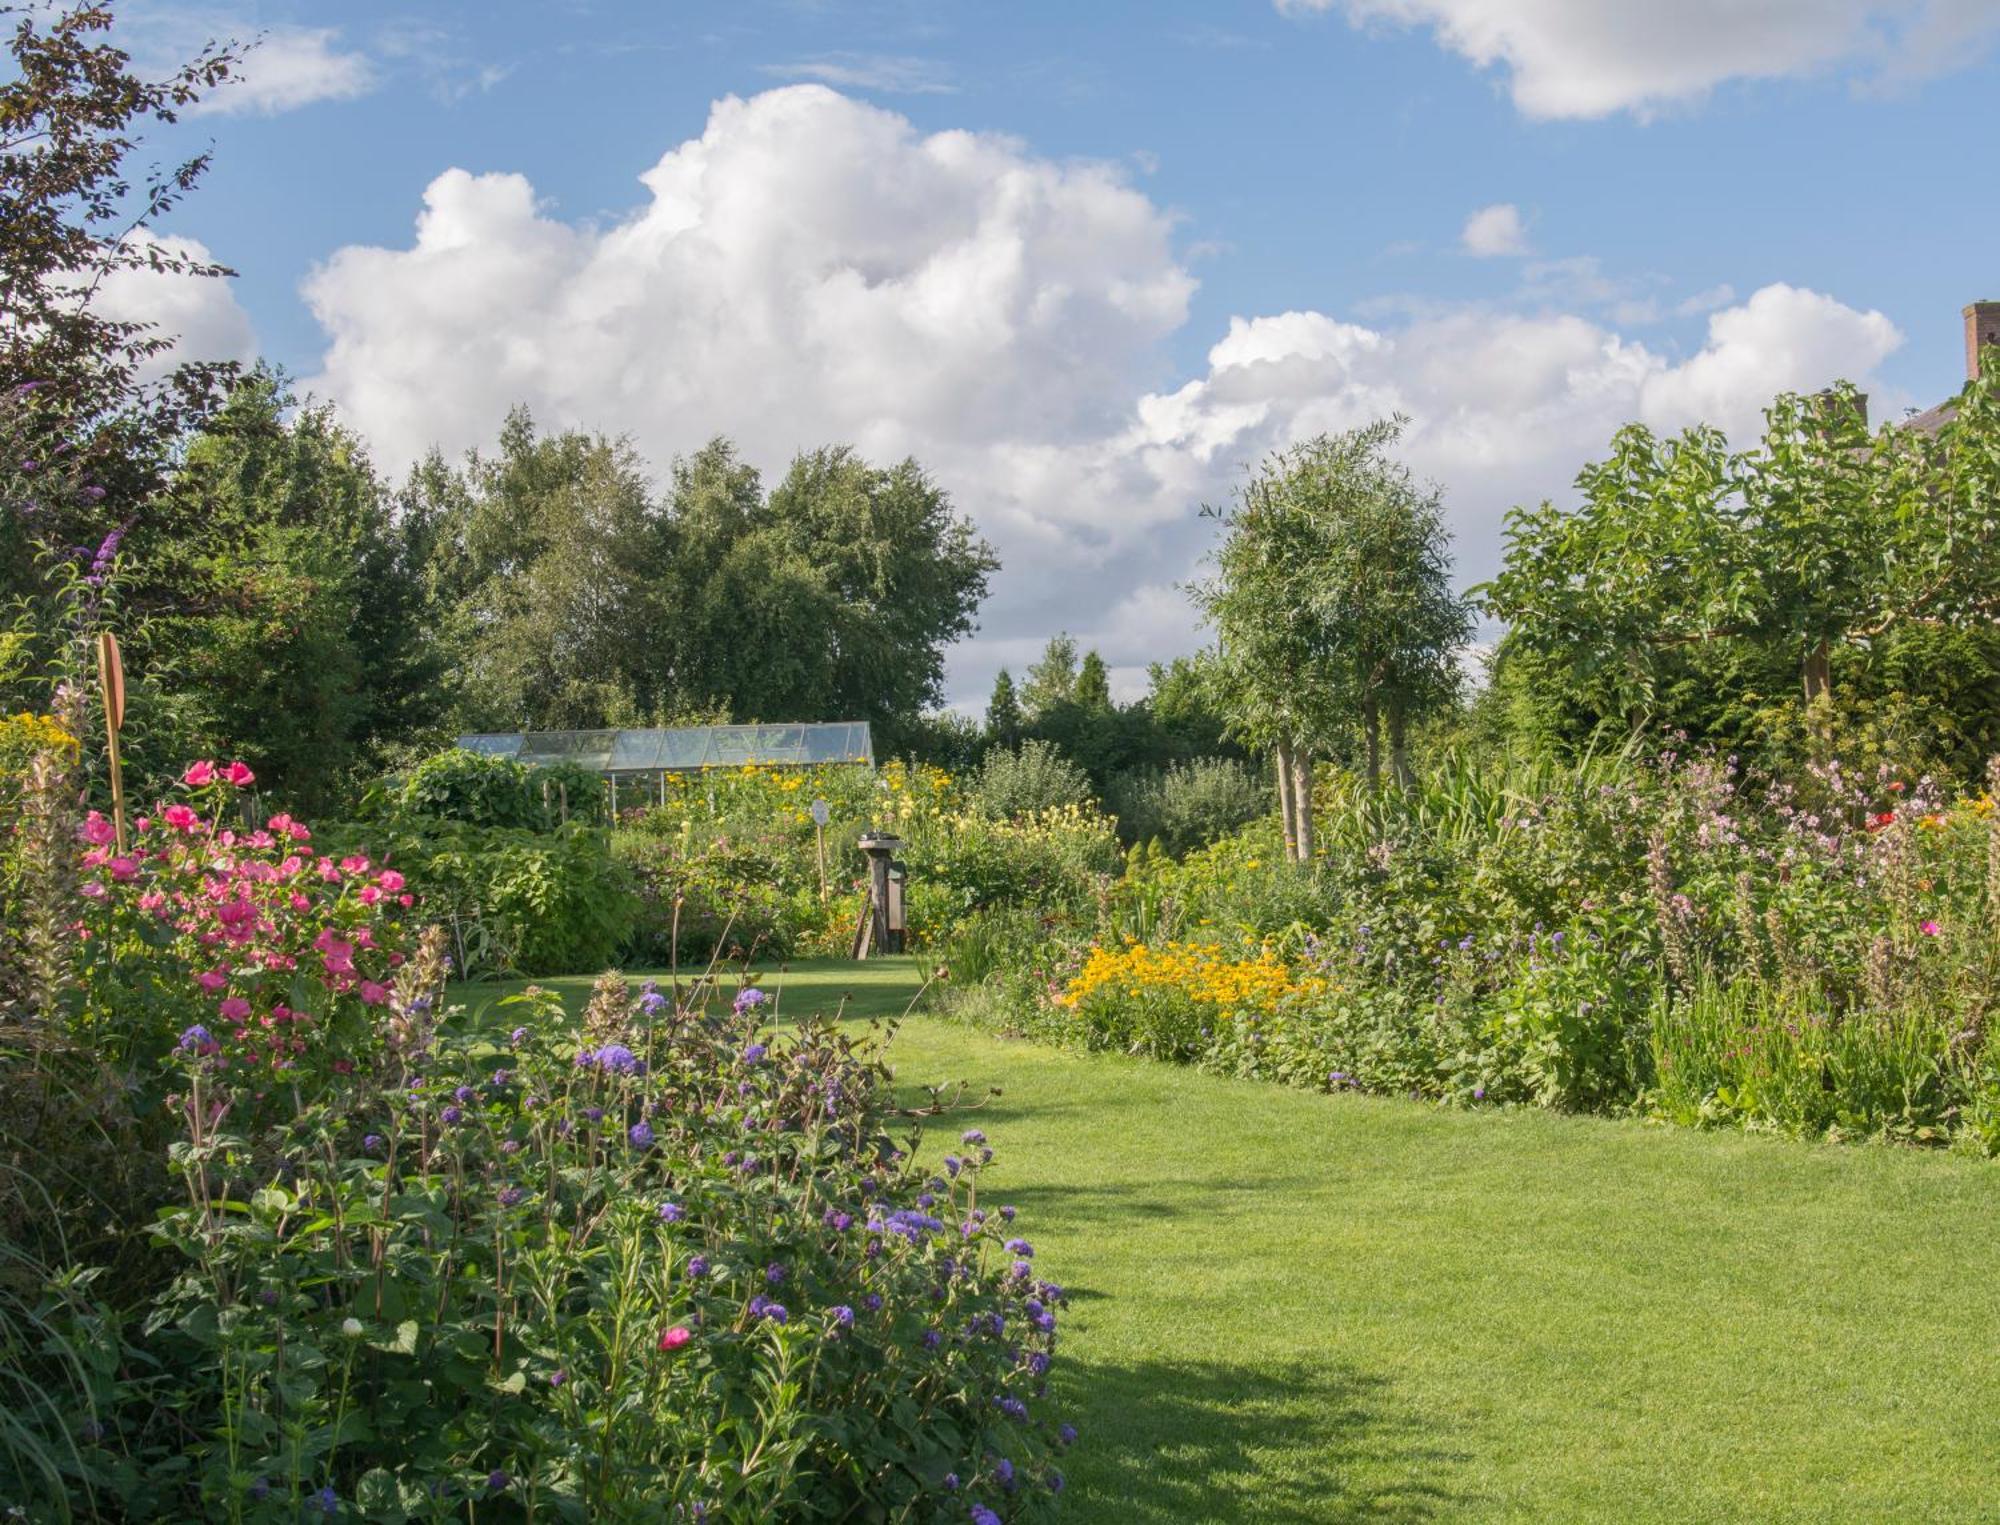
x=1282 y=757
x=1302 y=801
x=1818 y=670
x=1371 y=734
x=1399 y=745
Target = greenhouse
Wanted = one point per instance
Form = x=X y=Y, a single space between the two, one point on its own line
x=684 y=749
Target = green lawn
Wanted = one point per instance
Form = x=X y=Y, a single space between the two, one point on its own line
x=1308 y=1308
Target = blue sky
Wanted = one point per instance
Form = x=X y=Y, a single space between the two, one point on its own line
x=1685 y=209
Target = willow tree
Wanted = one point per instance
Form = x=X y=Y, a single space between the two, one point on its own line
x=1333 y=608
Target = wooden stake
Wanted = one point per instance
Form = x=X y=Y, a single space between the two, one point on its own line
x=111 y=679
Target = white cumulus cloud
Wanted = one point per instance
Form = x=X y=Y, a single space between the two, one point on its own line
x=290 y=67
x=1591 y=58
x=812 y=269
x=200 y=313
x=1493 y=230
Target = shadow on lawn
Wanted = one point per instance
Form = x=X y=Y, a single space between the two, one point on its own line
x=1185 y=1442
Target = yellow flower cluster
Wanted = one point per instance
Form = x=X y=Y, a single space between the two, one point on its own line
x=1199 y=972
x=28 y=733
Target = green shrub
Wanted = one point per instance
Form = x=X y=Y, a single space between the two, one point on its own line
x=1191 y=804
x=1025 y=782
x=514 y=901
x=479 y=790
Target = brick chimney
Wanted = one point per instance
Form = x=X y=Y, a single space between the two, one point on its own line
x=1982 y=331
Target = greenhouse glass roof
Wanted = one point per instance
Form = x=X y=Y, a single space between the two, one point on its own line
x=684 y=748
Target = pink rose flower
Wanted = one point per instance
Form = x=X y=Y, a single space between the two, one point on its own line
x=180 y=818
x=373 y=993
x=234 y=1009
x=239 y=775
x=674 y=1338
x=199 y=775
x=96 y=830
x=390 y=880
x=211 y=980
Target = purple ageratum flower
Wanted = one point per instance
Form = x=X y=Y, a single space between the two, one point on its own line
x=1479 y=1093
x=1022 y=1248
x=775 y=1313
x=749 y=999
x=512 y=1196
x=641 y=1135
x=1004 y=1470
x=371 y=1143
x=500 y=1079
x=452 y=1116
x=953 y=1164
x=951 y=1482
x=1022 y=1270
x=932 y=1339
x=1014 y=1409
x=497 y=1481
x=1007 y=1213
x=1055 y=1481
x=198 y=1040
x=972 y=1136
x=616 y=1059
x=465 y=1094
x=981 y=1515
x=755 y=1053
x=593 y=1114
x=672 y=1212
x=1067 y=1434
x=697 y=1267
x=652 y=1003
x=775 y=1274
x=872 y=1302
x=558 y=1377
x=841 y=1314
x=517 y=1037
x=328 y=1500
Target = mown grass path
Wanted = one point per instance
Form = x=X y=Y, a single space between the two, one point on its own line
x=1291 y=1307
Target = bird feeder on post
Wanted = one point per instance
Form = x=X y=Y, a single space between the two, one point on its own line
x=882 y=928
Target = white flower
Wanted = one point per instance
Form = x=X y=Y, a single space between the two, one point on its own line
x=351 y=1328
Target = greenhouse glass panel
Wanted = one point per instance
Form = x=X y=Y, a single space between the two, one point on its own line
x=679 y=749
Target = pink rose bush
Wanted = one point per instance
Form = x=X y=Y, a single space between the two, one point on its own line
x=280 y=959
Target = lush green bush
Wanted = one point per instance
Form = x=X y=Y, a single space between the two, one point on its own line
x=1189 y=805
x=514 y=901
x=479 y=790
x=1033 y=778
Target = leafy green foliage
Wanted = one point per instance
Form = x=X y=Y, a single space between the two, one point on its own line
x=1189 y=805
x=1034 y=778
x=1711 y=591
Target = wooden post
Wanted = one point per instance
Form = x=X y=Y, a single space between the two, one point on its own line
x=821 y=813
x=111 y=679
x=614 y=799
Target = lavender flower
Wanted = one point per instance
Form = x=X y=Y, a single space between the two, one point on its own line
x=641 y=1135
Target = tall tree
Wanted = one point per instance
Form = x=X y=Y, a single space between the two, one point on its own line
x=1333 y=605
x=1093 y=683
x=300 y=638
x=1003 y=712
x=833 y=598
x=559 y=563
x=1051 y=680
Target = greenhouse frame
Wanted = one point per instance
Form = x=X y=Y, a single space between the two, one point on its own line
x=684 y=749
